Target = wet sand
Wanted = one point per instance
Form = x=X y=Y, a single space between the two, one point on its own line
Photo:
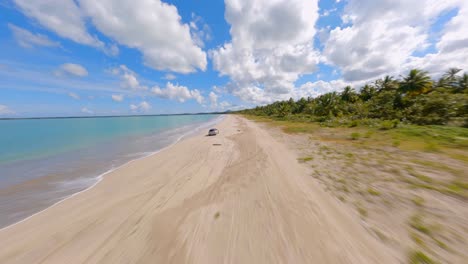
x=239 y=197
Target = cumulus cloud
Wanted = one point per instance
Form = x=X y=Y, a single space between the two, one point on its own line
x=85 y=110
x=314 y=89
x=117 y=97
x=27 y=39
x=74 y=95
x=271 y=47
x=177 y=92
x=64 y=17
x=169 y=77
x=141 y=107
x=71 y=69
x=128 y=77
x=5 y=110
x=213 y=99
x=383 y=36
x=200 y=31
x=151 y=26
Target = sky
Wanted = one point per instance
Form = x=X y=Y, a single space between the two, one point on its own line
x=123 y=57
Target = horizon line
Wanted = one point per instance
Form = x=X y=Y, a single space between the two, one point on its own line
x=110 y=116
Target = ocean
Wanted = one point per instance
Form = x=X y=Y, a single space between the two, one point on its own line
x=43 y=161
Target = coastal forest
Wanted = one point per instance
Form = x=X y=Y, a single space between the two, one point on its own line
x=412 y=99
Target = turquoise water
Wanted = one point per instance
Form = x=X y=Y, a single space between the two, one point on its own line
x=32 y=138
x=43 y=161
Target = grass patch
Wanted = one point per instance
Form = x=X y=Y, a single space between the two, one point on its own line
x=437 y=165
x=417 y=239
x=458 y=188
x=355 y=136
x=361 y=210
x=440 y=243
x=368 y=134
x=418 y=224
x=373 y=191
x=432 y=136
x=418 y=201
x=419 y=257
x=380 y=235
x=305 y=159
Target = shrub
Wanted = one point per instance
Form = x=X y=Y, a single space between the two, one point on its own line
x=389 y=124
x=355 y=136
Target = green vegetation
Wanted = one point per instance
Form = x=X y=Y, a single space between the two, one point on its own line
x=417 y=223
x=362 y=211
x=418 y=257
x=385 y=104
x=418 y=201
x=305 y=159
x=373 y=191
x=355 y=136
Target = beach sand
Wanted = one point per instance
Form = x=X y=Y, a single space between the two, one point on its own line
x=238 y=197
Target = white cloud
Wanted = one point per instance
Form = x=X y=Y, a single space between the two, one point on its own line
x=314 y=89
x=169 y=77
x=178 y=92
x=27 y=39
x=141 y=107
x=87 y=111
x=74 y=95
x=452 y=47
x=200 y=31
x=151 y=26
x=213 y=99
x=271 y=47
x=224 y=104
x=63 y=17
x=383 y=36
x=128 y=77
x=71 y=69
x=5 y=110
x=117 y=97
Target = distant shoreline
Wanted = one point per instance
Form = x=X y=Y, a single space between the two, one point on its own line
x=110 y=116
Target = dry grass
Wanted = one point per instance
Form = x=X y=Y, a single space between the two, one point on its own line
x=404 y=179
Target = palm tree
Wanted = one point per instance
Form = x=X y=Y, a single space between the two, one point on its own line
x=388 y=83
x=349 y=95
x=449 y=79
x=451 y=74
x=367 y=92
x=327 y=105
x=463 y=83
x=416 y=82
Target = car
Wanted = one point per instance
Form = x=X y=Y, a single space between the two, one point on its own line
x=213 y=132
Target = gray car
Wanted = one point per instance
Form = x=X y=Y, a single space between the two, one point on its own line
x=213 y=132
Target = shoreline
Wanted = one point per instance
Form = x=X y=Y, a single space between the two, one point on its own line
x=202 y=200
x=101 y=176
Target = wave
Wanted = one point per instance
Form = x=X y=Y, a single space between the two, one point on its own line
x=83 y=184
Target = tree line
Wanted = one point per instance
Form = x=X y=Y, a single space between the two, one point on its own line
x=415 y=98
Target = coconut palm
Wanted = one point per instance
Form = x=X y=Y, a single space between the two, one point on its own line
x=388 y=83
x=463 y=83
x=449 y=79
x=349 y=95
x=367 y=92
x=416 y=82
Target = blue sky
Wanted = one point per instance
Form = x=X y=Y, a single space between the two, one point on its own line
x=119 y=57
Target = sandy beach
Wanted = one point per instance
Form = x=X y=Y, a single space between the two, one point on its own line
x=239 y=197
